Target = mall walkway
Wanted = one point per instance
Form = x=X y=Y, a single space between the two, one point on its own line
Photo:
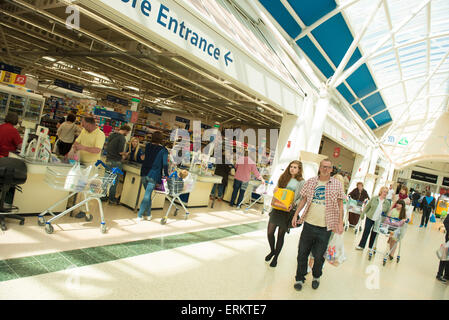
x=215 y=254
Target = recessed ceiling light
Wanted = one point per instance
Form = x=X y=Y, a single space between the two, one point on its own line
x=49 y=59
x=94 y=74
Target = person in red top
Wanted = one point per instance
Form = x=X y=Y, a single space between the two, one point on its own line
x=403 y=195
x=10 y=139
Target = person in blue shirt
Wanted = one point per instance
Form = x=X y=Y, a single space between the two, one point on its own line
x=427 y=205
x=154 y=167
x=133 y=151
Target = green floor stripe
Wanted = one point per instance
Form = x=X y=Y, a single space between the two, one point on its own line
x=46 y=263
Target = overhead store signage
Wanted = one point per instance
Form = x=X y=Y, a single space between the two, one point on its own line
x=12 y=78
x=396 y=141
x=69 y=86
x=422 y=176
x=178 y=28
x=446 y=181
x=153 y=111
x=117 y=100
x=171 y=23
x=183 y=120
x=10 y=68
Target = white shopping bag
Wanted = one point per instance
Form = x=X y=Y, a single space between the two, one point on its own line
x=443 y=252
x=189 y=183
x=335 y=253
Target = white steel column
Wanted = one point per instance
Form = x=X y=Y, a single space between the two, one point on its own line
x=309 y=156
x=287 y=148
x=360 y=169
x=381 y=181
x=370 y=178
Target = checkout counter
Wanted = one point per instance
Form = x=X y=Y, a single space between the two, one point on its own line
x=37 y=195
x=252 y=186
x=133 y=191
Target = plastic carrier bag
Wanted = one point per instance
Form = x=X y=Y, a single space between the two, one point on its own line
x=432 y=218
x=335 y=253
x=443 y=252
x=77 y=178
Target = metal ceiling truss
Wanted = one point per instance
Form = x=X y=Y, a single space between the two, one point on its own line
x=159 y=71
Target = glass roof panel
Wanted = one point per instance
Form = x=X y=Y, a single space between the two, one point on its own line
x=439 y=12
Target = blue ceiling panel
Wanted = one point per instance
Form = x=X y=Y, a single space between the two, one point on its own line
x=383 y=118
x=346 y=93
x=374 y=103
x=371 y=124
x=357 y=107
x=282 y=16
x=361 y=81
x=312 y=52
x=310 y=11
x=335 y=38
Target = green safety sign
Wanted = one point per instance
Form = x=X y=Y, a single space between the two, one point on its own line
x=403 y=142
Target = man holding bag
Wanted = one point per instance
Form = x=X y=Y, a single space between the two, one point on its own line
x=322 y=197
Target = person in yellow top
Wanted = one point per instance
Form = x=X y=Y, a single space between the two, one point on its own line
x=90 y=142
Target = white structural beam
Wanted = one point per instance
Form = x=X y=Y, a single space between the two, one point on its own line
x=392 y=84
x=429 y=22
x=419 y=91
x=402 y=104
x=306 y=30
x=396 y=51
x=360 y=122
x=410 y=43
x=320 y=49
x=378 y=45
x=354 y=44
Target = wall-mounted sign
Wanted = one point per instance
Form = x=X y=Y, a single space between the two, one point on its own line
x=396 y=141
x=69 y=86
x=446 y=181
x=422 y=176
x=336 y=152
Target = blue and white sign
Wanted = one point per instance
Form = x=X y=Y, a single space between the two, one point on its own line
x=174 y=26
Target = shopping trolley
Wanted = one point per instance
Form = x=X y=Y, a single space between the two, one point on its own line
x=389 y=227
x=265 y=192
x=354 y=209
x=177 y=187
x=92 y=187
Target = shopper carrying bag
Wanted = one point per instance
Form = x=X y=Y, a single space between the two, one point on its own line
x=291 y=181
x=443 y=268
x=427 y=205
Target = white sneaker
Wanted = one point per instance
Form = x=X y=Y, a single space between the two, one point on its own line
x=149 y=217
x=359 y=248
x=140 y=219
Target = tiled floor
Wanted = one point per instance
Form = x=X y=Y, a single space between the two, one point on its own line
x=215 y=254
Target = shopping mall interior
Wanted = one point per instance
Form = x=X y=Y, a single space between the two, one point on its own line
x=361 y=83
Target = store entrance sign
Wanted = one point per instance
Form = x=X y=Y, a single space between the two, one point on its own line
x=160 y=13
